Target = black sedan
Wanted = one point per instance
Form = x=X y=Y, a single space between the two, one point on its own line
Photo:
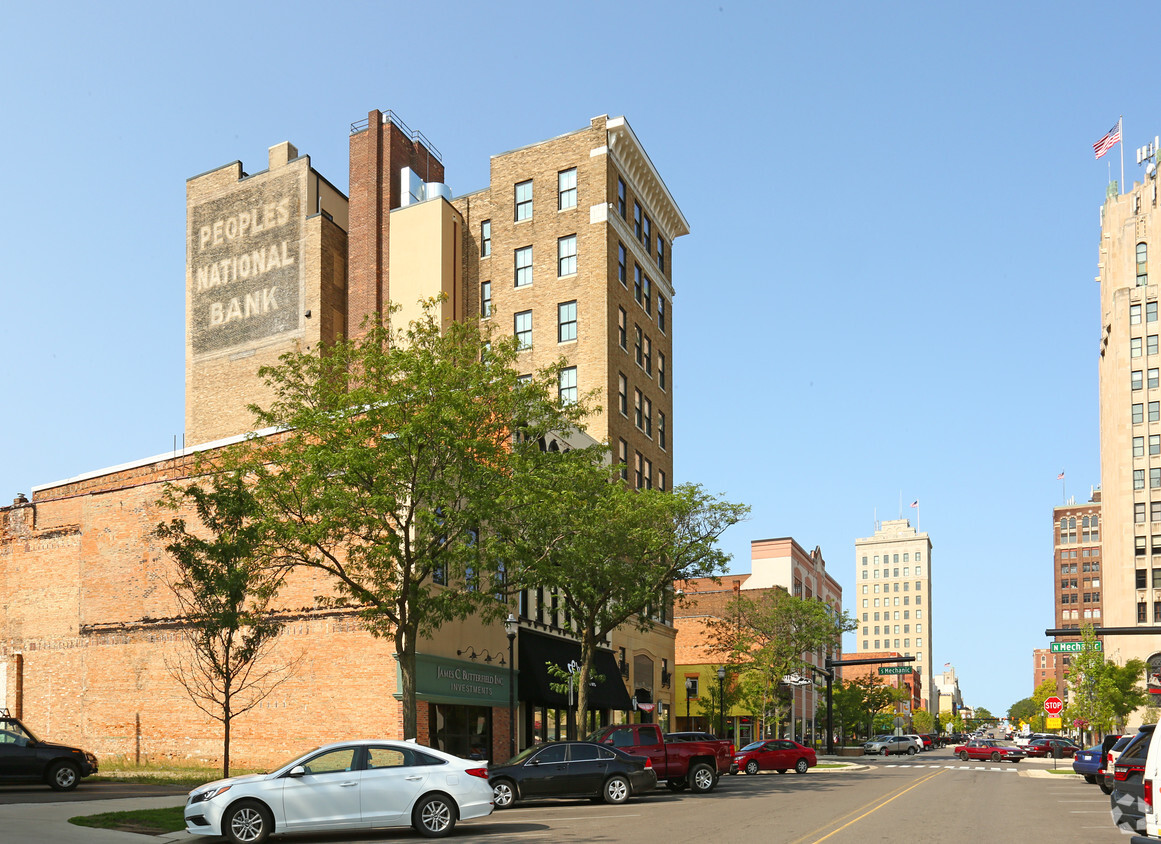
x=571 y=769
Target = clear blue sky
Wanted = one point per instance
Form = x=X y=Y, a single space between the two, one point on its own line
x=887 y=292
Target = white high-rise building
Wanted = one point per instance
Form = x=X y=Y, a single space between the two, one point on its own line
x=893 y=597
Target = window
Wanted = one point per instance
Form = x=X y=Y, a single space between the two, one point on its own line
x=621 y=197
x=648 y=418
x=1151 y=344
x=566 y=322
x=637 y=342
x=1151 y=379
x=1155 y=477
x=568 y=385
x=621 y=331
x=1141 y=612
x=661 y=380
x=623 y=456
x=1142 y=264
x=522 y=324
x=1154 y=516
x=485 y=299
x=1139 y=480
x=566 y=189
x=648 y=474
x=485 y=238
x=637 y=408
x=524 y=201
x=1150 y=312
x=637 y=471
x=637 y=283
x=646 y=295
x=1138 y=413
x=1135 y=347
x=661 y=479
x=1134 y=314
x=647 y=234
x=660 y=253
x=623 y=394
x=566 y=255
x=661 y=312
x=1138 y=451
x=523 y=266
x=637 y=220
x=648 y=354
x=1136 y=379
x=622 y=266
x=1155 y=411
x=661 y=429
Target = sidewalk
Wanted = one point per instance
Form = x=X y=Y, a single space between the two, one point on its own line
x=48 y=823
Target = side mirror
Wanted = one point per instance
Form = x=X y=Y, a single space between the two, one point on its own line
x=297 y=771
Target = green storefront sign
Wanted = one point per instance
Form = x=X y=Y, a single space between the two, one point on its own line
x=1073 y=647
x=444 y=680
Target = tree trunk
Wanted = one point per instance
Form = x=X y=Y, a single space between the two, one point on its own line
x=405 y=651
x=588 y=654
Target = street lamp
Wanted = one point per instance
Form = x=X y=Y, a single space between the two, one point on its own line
x=688 y=689
x=722 y=700
x=510 y=624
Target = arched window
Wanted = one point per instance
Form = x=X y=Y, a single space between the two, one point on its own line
x=1142 y=264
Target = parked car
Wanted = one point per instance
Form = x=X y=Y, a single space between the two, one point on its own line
x=1110 y=760
x=24 y=757
x=1127 y=799
x=350 y=785
x=1089 y=763
x=779 y=755
x=696 y=765
x=1059 y=748
x=886 y=745
x=919 y=740
x=989 y=749
x=571 y=769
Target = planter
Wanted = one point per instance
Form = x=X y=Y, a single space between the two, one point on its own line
x=848 y=751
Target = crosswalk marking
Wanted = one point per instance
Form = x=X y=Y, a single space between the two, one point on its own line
x=952 y=767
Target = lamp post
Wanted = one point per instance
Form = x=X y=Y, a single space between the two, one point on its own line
x=688 y=689
x=722 y=701
x=510 y=624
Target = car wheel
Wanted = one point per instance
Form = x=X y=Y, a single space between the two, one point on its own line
x=911 y=750
x=781 y=770
x=995 y=756
x=1104 y=788
x=247 y=822
x=678 y=784
x=701 y=778
x=752 y=767
x=884 y=752
x=1090 y=779
x=963 y=754
x=801 y=766
x=63 y=776
x=434 y=816
x=503 y=794
x=616 y=790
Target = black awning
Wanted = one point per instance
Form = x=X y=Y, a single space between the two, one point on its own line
x=536 y=651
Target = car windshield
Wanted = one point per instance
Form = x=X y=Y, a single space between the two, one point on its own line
x=15 y=732
x=523 y=755
x=754 y=745
x=292 y=759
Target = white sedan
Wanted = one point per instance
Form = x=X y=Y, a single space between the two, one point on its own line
x=352 y=785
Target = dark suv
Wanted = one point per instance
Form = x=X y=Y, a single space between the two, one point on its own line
x=1128 y=797
x=25 y=757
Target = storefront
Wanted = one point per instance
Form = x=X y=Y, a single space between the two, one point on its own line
x=461 y=701
x=545 y=711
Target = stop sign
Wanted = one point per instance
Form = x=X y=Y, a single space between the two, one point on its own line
x=1054 y=706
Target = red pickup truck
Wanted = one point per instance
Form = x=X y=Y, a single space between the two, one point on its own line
x=682 y=764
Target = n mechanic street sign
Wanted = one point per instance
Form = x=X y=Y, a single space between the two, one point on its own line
x=1073 y=647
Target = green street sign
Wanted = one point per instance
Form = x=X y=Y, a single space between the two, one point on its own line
x=1073 y=647
x=895 y=669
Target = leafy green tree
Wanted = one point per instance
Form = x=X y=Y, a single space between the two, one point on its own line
x=983 y=714
x=225 y=587
x=1102 y=693
x=922 y=721
x=772 y=632
x=394 y=458
x=608 y=553
x=855 y=702
x=713 y=704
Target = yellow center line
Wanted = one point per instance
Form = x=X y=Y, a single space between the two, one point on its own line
x=872 y=810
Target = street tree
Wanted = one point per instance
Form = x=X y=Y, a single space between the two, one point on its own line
x=923 y=721
x=224 y=588
x=608 y=553
x=772 y=633
x=389 y=472
x=1102 y=694
x=855 y=702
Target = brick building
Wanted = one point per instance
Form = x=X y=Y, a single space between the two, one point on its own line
x=1076 y=583
x=570 y=245
x=912 y=680
x=774 y=564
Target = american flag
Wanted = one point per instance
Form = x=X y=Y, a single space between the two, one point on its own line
x=1112 y=137
x=915 y=503
x=1060 y=477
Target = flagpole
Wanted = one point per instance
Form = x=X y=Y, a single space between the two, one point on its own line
x=1121 y=132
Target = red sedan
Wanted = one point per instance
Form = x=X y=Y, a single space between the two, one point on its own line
x=1050 y=747
x=989 y=749
x=779 y=755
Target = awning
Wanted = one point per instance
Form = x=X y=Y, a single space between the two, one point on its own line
x=536 y=651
